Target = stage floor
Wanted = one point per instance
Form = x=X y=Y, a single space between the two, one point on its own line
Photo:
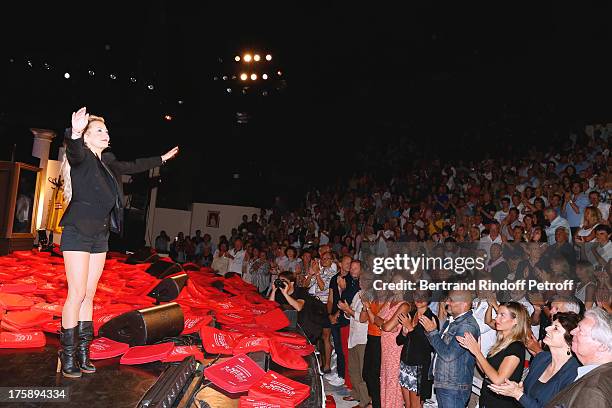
x=113 y=385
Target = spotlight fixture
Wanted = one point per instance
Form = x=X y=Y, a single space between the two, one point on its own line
x=113 y=76
x=265 y=76
x=247 y=58
x=150 y=87
x=268 y=57
x=237 y=58
x=67 y=75
x=279 y=73
x=91 y=72
x=243 y=77
x=225 y=77
x=253 y=77
x=168 y=117
x=228 y=90
x=256 y=57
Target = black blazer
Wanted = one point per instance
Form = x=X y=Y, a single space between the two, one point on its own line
x=97 y=195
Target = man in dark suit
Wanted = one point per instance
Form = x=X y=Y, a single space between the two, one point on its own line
x=592 y=344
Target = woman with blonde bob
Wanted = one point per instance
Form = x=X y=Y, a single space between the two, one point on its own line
x=506 y=358
x=95 y=197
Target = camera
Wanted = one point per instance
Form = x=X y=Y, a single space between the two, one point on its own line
x=279 y=283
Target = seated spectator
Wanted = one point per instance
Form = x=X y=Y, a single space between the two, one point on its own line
x=550 y=371
x=555 y=222
x=592 y=344
x=507 y=356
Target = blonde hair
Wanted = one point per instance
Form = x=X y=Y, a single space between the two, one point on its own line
x=519 y=332
x=65 y=166
x=591 y=213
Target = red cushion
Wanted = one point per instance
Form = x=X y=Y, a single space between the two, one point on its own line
x=102 y=348
x=194 y=323
x=248 y=344
x=53 y=326
x=300 y=349
x=18 y=287
x=27 y=318
x=53 y=309
x=180 y=352
x=274 y=320
x=13 y=301
x=288 y=337
x=235 y=375
x=277 y=386
x=216 y=341
x=147 y=354
x=16 y=329
x=260 y=402
x=22 y=340
x=286 y=357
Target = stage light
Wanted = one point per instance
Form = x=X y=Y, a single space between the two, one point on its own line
x=253 y=77
x=133 y=80
x=91 y=72
x=268 y=57
x=237 y=58
x=29 y=63
x=265 y=76
x=46 y=66
x=228 y=90
x=279 y=73
x=168 y=117
x=180 y=101
x=225 y=77
x=113 y=76
x=247 y=58
x=256 y=57
x=243 y=77
x=150 y=87
x=67 y=75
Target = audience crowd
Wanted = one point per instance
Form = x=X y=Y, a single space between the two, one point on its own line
x=532 y=214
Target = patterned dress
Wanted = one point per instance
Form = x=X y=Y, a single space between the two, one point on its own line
x=390 y=390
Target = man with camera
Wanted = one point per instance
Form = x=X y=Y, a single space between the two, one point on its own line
x=284 y=291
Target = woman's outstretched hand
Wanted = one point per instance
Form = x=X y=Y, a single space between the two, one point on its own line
x=171 y=153
x=80 y=119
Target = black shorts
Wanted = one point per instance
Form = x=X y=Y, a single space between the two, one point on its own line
x=73 y=240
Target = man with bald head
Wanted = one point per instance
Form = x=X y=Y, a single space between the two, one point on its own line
x=453 y=366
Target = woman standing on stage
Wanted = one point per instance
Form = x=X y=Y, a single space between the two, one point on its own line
x=95 y=198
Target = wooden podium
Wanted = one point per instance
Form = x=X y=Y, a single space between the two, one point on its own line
x=20 y=186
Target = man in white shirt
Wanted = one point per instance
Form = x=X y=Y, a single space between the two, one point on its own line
x=358 y=337
x=602 y=251
x=503 y=213
x=236 y=256
x=493 y=238
x=555 y=222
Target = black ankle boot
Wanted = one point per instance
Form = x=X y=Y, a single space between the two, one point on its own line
x=67 y=361
x=85 y=339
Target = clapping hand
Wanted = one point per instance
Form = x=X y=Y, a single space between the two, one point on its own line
x=469 y=342
x=80 y=119
x=508 y=388
x=428 y=324
x=405 y=321
x=342 y=305
x=532 y=344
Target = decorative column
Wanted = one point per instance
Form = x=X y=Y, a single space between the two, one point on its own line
x=40 y=149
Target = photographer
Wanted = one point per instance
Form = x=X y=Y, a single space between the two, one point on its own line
x=284 y=291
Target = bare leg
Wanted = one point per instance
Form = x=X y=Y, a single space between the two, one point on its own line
x=327 y=348
x=415 y=400
x=77 y=268
x=96 y=265
x=406 y=396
